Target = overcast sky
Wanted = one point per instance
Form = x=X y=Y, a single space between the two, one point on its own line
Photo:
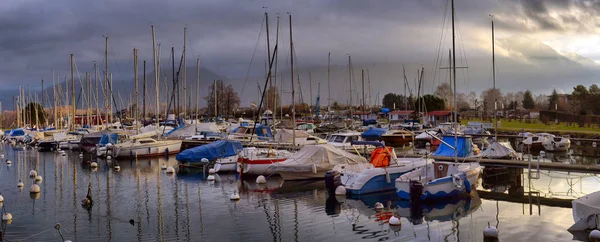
x=38 y=35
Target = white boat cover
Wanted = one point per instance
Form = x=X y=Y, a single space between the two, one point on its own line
x=499 y=150
x=324 y=157
x=287 y=136
x=60 y=136
x=426 y=135
x=585 y=212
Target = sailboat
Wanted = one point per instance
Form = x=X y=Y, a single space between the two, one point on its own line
x=440 y=180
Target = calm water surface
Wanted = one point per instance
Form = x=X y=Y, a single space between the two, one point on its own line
x=142 y=203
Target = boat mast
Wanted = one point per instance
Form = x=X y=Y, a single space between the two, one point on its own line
x=135 y=78
x=363 y=92
x=73 y=91
x=494 y=81
x=43 y=102
x=310 y=109
x=454 y=96
x=53 y=98
x=157 y=108
x=144 y=93
x=293 y=90
x=328 y=83
x=268 y=59
x=106 y=103
x=350 y=80
x=197 y=88
x=96 y=87
x=87 y=92
x=184 y=73
x=275 y=76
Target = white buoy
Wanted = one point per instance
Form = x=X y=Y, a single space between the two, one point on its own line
x=1 y=198
x=8 y=162
x=20 y=184
x=234 y=196
x=24 y=147
x=378 y=206
x=163 y=167
x=1 y=156
x=394 y=221
x=32 y=173
x=261 y=179
x=204 y=160
x=39 y=178
x=542 y=153
x=6 y=217
x=80 y=155
x=210 y=178
x=490 y=232
x=34 y=188
x=62 y=153
x=117 y=167
x=108 y=157
x=340 y=191
x=594 y=144
x=594 y=235
x=94 y=164
x=212 y=171
x=170 y=170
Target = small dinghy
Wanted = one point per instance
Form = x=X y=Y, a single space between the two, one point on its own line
x=439 y=180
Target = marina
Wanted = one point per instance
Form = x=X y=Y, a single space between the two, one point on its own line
x=244 y=145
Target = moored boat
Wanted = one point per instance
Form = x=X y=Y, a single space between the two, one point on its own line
x=398 y=138
x=223 y=153
x=257 y=161
x=146 y=147
x=557 y=144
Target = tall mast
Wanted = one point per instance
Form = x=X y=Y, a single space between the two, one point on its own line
x=157 y=108
x=106 y=103
x=54 y=99
x=215 y=98
x=111 y=96
x=293 y=91
x=73 y=91
x=494 y=81
x=362 y=73
x=96 y=88
x=350 y=80
x=135 y=78
x=310 y=109
x=454 y=96
x=184 y=73
x=328 y=83
x=144 y=93
x=275 y=99
x=268 y=57
x=175 y=84
x=197 y=87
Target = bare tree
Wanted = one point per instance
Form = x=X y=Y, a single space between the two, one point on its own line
x=444 y=91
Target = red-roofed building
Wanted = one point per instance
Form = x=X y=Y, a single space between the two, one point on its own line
x=400 y=115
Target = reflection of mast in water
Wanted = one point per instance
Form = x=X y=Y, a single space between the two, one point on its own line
x=98 y=194
x=74 y=202
x=108 y=207
x=147 y=200
x=56 y=166
x=200 y=211
x=160 y=213
x=187 y=213
x=138 y=206
x=296 y=222
x=176 y=206
x=272 y=224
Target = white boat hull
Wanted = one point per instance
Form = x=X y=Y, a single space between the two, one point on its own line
x=439 y=188
x=167 y=147
x=227 y=164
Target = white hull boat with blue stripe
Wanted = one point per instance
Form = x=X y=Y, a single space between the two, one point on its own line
x=365 y=178
x=438 y=180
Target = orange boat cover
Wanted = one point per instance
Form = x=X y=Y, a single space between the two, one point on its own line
x=380 y=157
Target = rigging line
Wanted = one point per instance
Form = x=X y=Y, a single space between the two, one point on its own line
x=262 y=24
x=439 y=48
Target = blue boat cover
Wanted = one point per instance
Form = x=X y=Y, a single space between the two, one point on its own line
x=212 y=151
x=108 y=138
x=464 y=147
x=17 y=132
x=373 y=132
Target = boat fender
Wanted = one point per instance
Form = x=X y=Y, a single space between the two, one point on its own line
x=458 y=182
x=467 y=186
x=314 y=168
x=388 y=179
x=594 y=235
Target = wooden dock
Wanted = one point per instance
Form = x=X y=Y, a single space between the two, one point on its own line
x=519 y=164
x=526 y=199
